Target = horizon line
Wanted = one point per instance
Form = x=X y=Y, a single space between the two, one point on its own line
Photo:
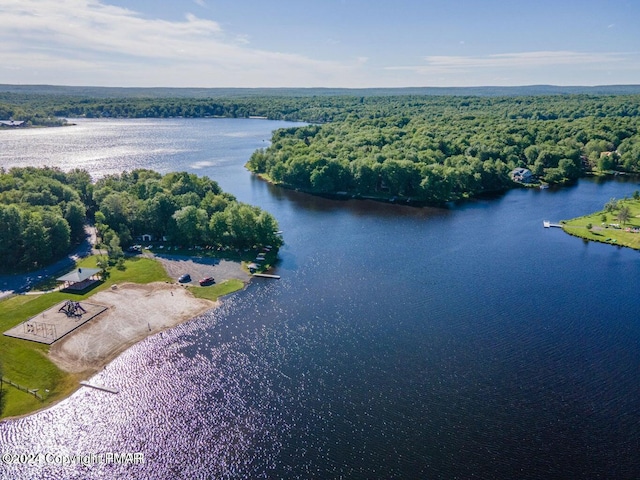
x=533 y=85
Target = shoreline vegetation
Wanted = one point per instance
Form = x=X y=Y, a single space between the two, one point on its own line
x=176 y=217
x=147 y=302
x=426 y=152
x=417 y=146
x=44 y=211
x=618 y=223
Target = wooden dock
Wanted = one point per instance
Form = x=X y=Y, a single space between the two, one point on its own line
x=548 y=224
x=266 y=275
x=99 y=387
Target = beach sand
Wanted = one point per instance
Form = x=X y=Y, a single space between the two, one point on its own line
x=135 y=312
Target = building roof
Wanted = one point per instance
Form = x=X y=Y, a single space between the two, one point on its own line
x=11 y=123
x=79 y=274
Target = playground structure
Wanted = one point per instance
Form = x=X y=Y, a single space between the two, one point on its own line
x=40 y=329
x=72 y=309
x=56 y=322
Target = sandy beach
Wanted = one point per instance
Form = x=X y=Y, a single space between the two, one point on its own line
x=135 y=312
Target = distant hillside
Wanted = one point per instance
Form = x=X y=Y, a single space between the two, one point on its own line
x=162 y=92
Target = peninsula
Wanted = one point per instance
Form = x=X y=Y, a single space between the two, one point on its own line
x=138 y=300
x=185 y=225
x=420 y=150
x=618 y=223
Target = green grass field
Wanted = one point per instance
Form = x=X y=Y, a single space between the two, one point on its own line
x=26 y=363
x=218 y=290
x=601 y=229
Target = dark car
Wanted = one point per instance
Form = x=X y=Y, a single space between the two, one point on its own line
x=184 y=278
x=207 y=281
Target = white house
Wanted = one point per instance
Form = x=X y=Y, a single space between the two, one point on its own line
x=522 y=175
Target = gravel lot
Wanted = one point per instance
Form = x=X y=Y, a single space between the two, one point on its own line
x=198 y=268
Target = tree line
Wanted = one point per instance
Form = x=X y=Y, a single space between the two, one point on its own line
x=43 y=212
x=185 y=209
x=426 y=148
x=448 y=149
x=317 y=108
x=12 y=108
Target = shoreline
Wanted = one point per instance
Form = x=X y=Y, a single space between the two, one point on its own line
x=120 y=327
x=389 y=199
x=135 y=312
x=609 y=227
x=141 y=300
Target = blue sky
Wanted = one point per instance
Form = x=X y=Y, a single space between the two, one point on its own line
x=322 y=43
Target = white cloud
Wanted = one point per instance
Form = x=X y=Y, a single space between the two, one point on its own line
x=554 y=67
x=525 y=68
x=243 y=39
x=525 y=60
x=88 y=42
x=68 y=40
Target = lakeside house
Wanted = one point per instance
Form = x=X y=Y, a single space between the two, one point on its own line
x=522 y=175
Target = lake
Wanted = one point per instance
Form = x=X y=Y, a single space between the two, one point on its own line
x=466 y=342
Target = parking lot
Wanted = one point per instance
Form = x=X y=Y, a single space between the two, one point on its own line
x=198 y=268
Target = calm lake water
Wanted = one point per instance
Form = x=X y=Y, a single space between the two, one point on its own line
x=467 y=342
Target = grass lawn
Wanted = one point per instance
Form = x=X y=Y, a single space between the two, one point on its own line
x=26 y=363
x=18 y=401
x=213 y=292
x=602 y=231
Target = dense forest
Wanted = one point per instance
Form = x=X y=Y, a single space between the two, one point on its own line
x=439 y=149
x=31 y=116
x=186 y=209
x=313 y=105
x=423 y=148
x=43 y=212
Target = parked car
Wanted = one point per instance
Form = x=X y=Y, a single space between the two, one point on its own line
x=207 y=281
x=184 y=278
